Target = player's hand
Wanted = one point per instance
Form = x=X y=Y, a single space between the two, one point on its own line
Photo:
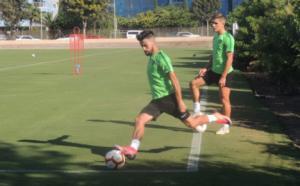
x=222 y=81
x=202 y=72
x=182 y=107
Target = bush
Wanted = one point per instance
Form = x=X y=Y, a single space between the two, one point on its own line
x=169 y=16
x=269 y=35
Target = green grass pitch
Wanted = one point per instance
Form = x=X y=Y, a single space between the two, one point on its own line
x=55 y=128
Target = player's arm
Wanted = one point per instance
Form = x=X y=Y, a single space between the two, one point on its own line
x=228 y=65
x=178 y=93
x=229 y=44
x=208 y=66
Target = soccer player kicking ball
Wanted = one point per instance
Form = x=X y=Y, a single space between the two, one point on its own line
x=218 y=71
x=166 y=94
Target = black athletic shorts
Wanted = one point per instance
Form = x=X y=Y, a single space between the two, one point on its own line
x=213 y=78
x=167 y=104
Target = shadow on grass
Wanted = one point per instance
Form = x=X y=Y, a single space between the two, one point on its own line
x=191 y=62
x=203 y=58
x=248 y=112
x=210 y=173
x=99 y=150
x=246 y=109
x=154 y=126
x=194 y=65
x=283 y=149
x=46 y=73
x=201 y=52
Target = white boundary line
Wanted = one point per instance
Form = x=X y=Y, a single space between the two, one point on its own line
x=50 y=62
x=194 y=156
x=193 y=159
x=192 y=164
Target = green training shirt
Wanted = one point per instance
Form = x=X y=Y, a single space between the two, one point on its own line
x=158 y=69
x=222 y=44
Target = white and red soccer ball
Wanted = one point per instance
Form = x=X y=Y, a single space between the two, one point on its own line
x=114 y=159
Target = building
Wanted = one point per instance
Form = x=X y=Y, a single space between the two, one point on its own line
x=49 y=6
x=228 y=5
x=129 y=8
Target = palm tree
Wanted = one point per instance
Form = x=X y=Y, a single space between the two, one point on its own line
x=49 y=23
x=33 y=15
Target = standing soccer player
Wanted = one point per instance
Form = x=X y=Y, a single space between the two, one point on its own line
x=166 y=96
x=218 y=71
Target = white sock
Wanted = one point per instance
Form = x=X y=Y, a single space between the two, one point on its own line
x=226 y=126
x=211 y=118
x=135 y=143
x=199 y=128
x=197 y=107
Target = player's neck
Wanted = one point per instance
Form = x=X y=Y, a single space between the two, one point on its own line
x=222 y=31
x=155 y=50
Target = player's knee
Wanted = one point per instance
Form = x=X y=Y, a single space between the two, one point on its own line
x=139 y=121
x=193 y=84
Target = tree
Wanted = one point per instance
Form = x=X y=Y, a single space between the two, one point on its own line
x=66 y=21
x=50 y=24
x=12 y=12
x=33 y=14
x=155 y=3
x=86 y=9
x=268 y=39
x=186 y=4
x=169 y=16
x=204 y=9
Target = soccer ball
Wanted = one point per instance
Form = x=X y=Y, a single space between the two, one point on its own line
x=114 y=159
x=33 y=55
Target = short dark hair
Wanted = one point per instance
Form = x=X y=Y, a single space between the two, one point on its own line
x=218 y=16
x=144 y=35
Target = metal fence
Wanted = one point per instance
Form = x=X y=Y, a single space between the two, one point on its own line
x=98 y=33
x=160 y=32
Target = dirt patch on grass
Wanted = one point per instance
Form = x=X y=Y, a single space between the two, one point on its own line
x=285 y=107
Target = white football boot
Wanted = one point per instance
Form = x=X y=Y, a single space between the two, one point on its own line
x=223 y=130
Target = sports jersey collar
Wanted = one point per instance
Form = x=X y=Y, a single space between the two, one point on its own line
x=153 y=56
x=222 y=33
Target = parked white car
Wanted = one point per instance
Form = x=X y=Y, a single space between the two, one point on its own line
x=63 y=38
x=131 y=34
x=26 y=37
x=186 y=34
x=3 y=37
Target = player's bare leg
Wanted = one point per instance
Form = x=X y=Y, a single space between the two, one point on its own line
x=198 y=121
x=224 y=94
x=195 y=86
x=138 y=133
x=140 y=122
x=225 y=100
